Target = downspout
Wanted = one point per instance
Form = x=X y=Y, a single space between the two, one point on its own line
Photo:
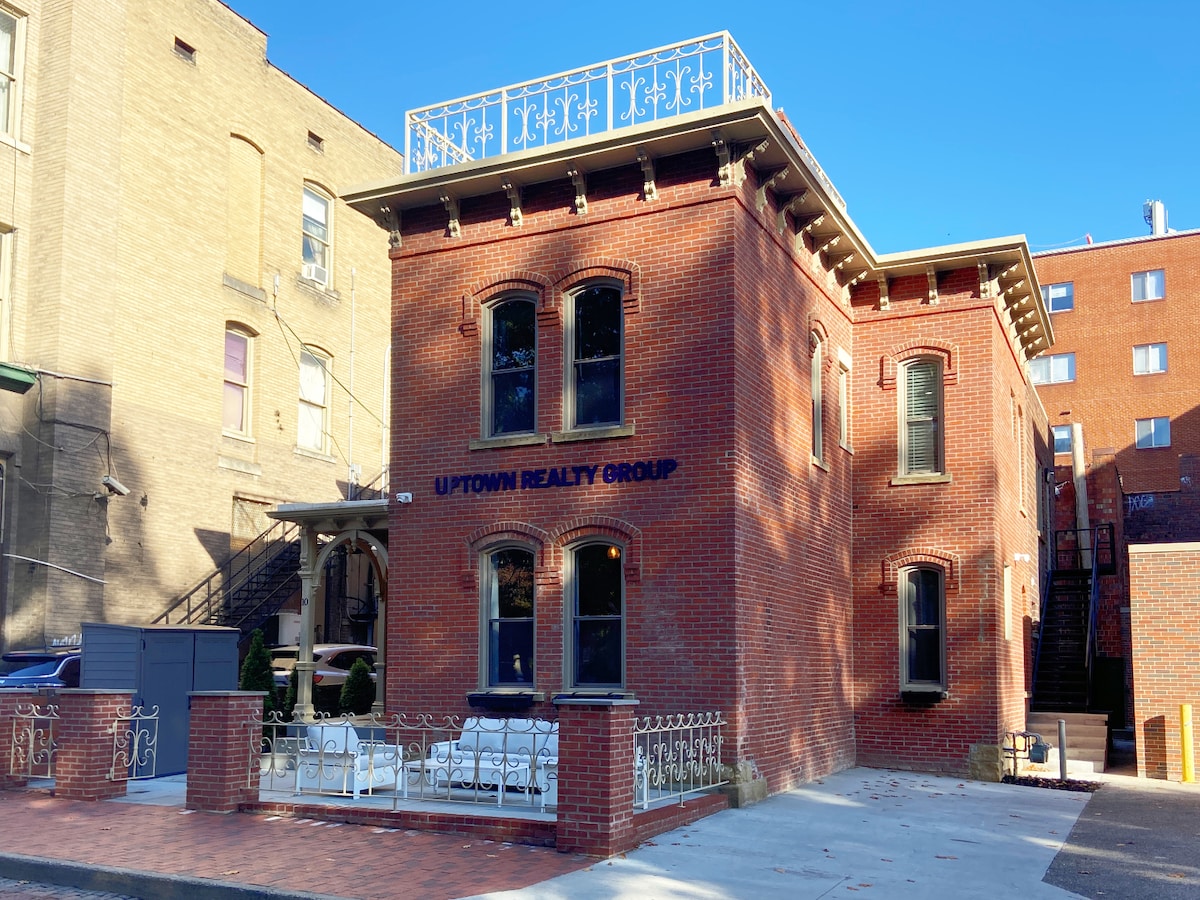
x=1079 y=477
x=353 y=474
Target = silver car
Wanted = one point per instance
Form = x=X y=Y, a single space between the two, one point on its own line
x=333 y=663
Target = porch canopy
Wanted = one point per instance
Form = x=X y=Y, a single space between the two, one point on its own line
x=361 y=524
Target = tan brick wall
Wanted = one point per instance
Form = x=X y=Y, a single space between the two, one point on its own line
x=127 y=285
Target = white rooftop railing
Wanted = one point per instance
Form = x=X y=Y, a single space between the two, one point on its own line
x=690 y=76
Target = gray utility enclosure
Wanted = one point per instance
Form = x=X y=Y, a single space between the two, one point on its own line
x=161 y=664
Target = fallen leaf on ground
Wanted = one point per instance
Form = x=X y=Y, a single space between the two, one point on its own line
x=231 y=872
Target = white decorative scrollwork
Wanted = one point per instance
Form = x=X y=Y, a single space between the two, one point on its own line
x=647 y=87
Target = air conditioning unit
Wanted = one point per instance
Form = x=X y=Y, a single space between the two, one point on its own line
x=316 y=273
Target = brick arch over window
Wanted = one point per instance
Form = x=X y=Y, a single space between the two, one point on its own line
x=521 y=281
x=891 y=565
x=546 y=569
x=627 y=273
x=817 y=332
x=891 y=361
x=603 y=527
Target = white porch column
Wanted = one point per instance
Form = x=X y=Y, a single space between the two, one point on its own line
x=309 y=578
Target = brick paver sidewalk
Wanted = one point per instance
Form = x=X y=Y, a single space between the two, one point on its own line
x=300 y=855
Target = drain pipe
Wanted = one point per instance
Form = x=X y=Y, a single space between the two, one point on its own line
x=1079 y=477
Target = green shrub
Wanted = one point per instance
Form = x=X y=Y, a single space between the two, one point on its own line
x=256 y=672
x=358 y=693
x=288 y=708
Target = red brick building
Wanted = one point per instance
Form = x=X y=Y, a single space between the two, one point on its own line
x=674 y=431
x=1120 y=388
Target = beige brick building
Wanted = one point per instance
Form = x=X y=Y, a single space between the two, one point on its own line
x=194 y=306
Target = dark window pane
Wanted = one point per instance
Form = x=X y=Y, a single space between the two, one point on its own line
x=598 y=392
x=598 y=323
x=924 y=655
x=924 y=606
x=511 y=652
x=598 y=652
x=598 y=580
x=514 y=335
x=512 y=402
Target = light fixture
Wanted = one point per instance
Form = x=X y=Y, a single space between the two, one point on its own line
x=614 y=552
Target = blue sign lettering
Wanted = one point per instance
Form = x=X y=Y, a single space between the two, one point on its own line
x=560 y=477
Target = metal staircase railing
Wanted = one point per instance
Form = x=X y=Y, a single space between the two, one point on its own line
x=244 y=585
x=1079 y=550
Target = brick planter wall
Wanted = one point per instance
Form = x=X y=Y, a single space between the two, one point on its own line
x=221 y=745
x=595 y=776
x=83 y=767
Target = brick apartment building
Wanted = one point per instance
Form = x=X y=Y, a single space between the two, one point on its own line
x=1125 y=371
x=674 y=431
x=180 y=298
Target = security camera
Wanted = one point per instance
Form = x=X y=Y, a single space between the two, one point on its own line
x=404 y=498
x=114 y=486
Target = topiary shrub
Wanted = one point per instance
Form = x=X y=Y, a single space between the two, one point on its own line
x=256 y=672
x=358 y=693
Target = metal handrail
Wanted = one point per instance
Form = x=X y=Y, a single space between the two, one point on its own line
x=202 y=602
x=378 y=485
x=1093 y=618
x=697 y=74
x=1037 y=656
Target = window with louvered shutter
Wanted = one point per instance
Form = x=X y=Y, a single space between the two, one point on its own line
x=921 y=449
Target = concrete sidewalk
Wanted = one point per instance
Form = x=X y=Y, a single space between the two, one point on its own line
x=864 y=830
x=874 y=832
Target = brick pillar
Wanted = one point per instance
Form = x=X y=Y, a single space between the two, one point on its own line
x=84 y=761
x=223 y=749
x=10 y=701
x=595 y=775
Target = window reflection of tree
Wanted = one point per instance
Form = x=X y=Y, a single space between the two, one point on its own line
x=513 y=363
x=510 y=643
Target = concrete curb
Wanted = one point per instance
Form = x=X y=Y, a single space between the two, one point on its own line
x=134 y=883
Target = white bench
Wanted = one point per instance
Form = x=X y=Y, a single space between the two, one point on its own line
x=333 y=759
x=493 y=754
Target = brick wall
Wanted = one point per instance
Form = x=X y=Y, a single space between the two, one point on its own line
x=140 y=300
x=1102 y=330
x=1164 y=612
x=973 y=524
x=732 y=558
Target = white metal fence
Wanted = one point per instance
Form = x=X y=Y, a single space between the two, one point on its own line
x=676 y=756
x=33 y=747
x=647 y=87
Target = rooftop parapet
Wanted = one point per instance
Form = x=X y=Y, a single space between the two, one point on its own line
x=689 y=76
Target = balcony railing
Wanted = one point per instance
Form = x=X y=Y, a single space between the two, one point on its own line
x=682 y=78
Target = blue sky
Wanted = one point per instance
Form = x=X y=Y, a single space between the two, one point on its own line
x=938 y=122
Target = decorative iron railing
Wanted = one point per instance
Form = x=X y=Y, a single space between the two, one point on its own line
x=135 y=744
x=33 y=749
x=398 y=758
x=676 y=756
x=647 y=87
x=218 y=598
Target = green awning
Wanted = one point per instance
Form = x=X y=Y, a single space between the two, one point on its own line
x=16 y=378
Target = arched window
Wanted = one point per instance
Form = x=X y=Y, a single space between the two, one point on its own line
x=921 y=441
x=922 y=629
x=508 y=598
x=815 y=382
x=596 y=651
x=510 y=405
x=312 y=430
x=595 y=377
x=235 y=415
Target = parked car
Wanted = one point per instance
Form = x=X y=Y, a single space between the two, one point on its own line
x=37 y=668
x=333 y=663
